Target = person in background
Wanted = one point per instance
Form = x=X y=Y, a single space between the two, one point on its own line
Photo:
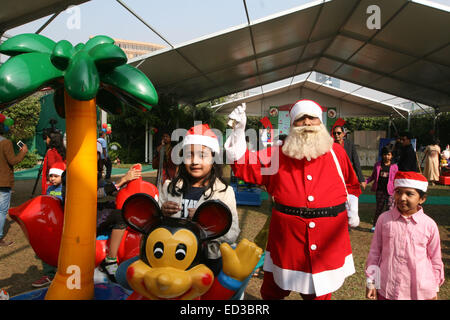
x=56 y=152
x=383 y=175
x=55 y=189
x=432 y=163
x=339 y=136
x=104 y=155
x=404 y=261
x=7 y=161
x=396 y=149
x=408 y=159
x=166 y=169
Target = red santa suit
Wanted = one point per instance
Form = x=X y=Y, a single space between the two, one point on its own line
x=307 y=255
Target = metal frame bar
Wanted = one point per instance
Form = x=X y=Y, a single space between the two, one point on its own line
x=253 y=44
x=165 y=40
x=47 y=22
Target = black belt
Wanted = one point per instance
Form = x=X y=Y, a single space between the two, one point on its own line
x=310 y=212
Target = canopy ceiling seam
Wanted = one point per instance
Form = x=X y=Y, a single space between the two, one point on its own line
x=368 y=40
x=332 y=40
x=299 y=60
x=382 y=74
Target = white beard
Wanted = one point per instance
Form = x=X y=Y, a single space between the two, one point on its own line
x=308 y=142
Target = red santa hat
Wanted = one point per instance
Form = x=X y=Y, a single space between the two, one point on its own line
x=305 y=107
x=57 y=168
x=410 y=179
x=201 y=134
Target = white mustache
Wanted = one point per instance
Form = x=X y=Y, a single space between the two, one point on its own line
x=308 y=142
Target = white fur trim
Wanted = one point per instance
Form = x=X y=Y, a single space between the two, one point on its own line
x=308 y=283
x=55 y=171
x=411 y=183
x=307 y=107
x=207 y=141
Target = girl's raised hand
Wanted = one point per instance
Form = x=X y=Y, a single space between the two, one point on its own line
x=169 y=208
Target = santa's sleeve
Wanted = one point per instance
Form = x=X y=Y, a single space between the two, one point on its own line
x=254 y=167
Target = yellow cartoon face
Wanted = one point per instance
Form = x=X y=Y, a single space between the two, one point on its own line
x=164 y=249
x=171 y=256
x=166 y=275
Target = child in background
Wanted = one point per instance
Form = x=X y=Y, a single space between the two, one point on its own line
x=54 y=177
x=383 y=182
x=404 y=261
x=198 y=179
x=54 y=189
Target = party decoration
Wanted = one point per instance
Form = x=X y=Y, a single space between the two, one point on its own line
x=83 y=76
x=2 y=118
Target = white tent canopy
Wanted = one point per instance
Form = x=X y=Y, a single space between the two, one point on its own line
x=408 y=57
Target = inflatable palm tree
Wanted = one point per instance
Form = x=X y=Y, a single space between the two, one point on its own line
x=86 y=75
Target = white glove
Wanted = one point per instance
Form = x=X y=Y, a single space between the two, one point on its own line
x=235 y=145
x=352 y=210
x=238 y=114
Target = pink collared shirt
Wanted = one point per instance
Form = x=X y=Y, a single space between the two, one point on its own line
x=405 y=256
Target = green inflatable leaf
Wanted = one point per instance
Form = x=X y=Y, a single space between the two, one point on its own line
x=85 y=71
x=97 y=40
x=21 y=75
x=107 y=56
x=132 y=83
x=61 y=54
x=26 y=43
x=81 y=78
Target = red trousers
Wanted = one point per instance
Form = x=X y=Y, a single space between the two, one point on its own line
x=271 y=291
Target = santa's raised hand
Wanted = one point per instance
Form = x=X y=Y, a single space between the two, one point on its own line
x=239 y=117
x=235 y=145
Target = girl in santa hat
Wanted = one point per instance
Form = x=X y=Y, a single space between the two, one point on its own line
x=199 y=178
x=404 y=261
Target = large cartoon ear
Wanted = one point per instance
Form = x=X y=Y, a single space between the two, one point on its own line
x=214 y=217
x=140 y=211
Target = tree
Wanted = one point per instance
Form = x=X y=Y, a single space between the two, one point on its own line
x=86 y=75
x=25 y=115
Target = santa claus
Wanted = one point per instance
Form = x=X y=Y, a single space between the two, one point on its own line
x=315 y=192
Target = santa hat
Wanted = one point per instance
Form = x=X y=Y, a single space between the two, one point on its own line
x=410 y=179
x=305 y=107
x=58 y=168
x=203 y=135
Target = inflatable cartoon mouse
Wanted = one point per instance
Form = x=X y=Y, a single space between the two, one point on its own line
x=172 y=252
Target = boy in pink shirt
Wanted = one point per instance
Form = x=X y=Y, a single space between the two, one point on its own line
x=404 y=261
